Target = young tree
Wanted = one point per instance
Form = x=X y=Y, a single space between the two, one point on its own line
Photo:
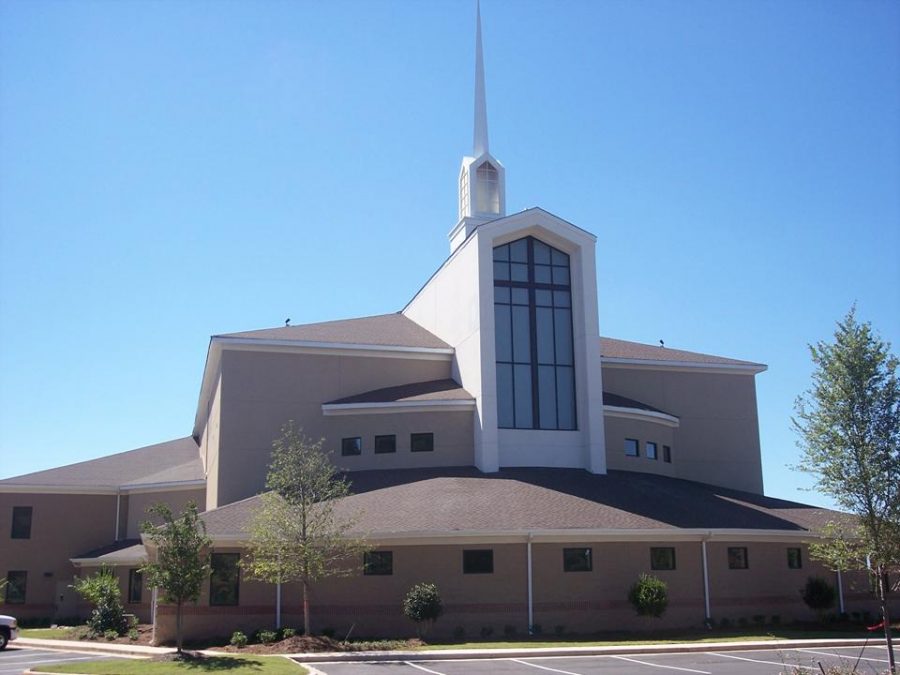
x=182 y=558
x=297 y=534
x=649 y=596
x=102 y=591
x=423 y=605
x=849 y=427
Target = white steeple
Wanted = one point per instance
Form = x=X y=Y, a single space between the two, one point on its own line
x=482 y=179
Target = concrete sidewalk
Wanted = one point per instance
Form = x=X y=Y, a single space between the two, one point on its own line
x=109 y=648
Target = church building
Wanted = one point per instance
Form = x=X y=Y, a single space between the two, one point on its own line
x=496 y=444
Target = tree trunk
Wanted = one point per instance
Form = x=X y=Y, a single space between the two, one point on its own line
x=886 y=618
x=178 y=627
x=305 y=608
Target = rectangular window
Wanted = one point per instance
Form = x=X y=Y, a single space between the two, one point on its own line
x=651 y=450
x=351 y=446
x=421 y=442
x=577 y=560
x=224 y=582
x=15 y=587
x=21 y=522
x=795 y=561
x=667 y=454
x=662 y=558
x=135 y=586
x=378 y=563
x=480 y=561
x=737 y=558
x=385 y=444
x=632 y=447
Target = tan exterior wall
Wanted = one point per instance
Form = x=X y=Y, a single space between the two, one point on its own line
x=618 y=429
x=717 y=441
x=142 y=610
x=62 y=527
x=176 y=499
x=209 y=446
x=262 y=391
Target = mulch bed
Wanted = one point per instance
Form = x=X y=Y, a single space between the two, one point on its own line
x=316 y=643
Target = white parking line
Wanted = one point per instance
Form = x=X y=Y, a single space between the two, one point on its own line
x=434 y=672
x=657 y=665
x=842 y=656
x=552 y=670
x=772 y=663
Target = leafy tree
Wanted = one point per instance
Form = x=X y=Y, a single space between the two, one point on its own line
x=849 y=427
x=423 y=604
x=649 y=596
x=102 y=591
x=297 y=533
x=182 y=558
x=819 y=596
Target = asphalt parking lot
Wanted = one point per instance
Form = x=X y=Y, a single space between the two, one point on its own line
x=14 y=660
x=749 y=662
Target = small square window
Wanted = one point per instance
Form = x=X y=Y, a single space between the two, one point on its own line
x=225 y=579
x=21 y=522
x=351 y=446
x=16 y=582
x=662 y=558
x=577 y=560
x=421 y=442
x=378 y=563
x=667 y=454
x=737 y=558
x=632 y=447
x=651 y=450
x=794 y=559
x=480 y=561
x=135 y=586
x=385 y=444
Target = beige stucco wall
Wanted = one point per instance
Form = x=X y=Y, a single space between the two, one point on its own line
x=717 y=440
x=176 y=499
x=618 y=429
x=262 y=391
x=209 y=445
x=62 y=527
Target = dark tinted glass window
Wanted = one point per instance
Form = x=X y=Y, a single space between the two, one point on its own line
x=351 y=446
x=421 y=442
x=577 y=560
x=378 y=563
x=651 y=450
x=667 y=454
x=662 y=558
x=794 y=559
x=224 y=583
x=632 y=446
x=15 y=587
x=385 y=444
x=737 y=558
x=21 y=522
x=479 y=561
x=135 y=586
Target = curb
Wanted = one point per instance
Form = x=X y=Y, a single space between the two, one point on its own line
x=94 y=647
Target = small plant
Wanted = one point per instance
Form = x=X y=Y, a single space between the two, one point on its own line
x=238 y=639
x=111 y=635
x=102 y=591
x=459 y=634
x=649 y=596
x=423 y=605
x=486 y=632
x=819 y=596
x=559 y=630
x=133 y=634
x=509 y=631
x=267 y=637
x=288 y=633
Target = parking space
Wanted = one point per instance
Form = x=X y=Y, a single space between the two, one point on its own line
x=15 y=660
x=873 y=659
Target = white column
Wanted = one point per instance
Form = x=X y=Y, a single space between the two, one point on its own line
x=705 y=579
x=840 y=590
x=278 y=605
x=530 y=590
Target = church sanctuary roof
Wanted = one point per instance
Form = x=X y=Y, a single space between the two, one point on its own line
x=120 y=553
x=464 y=501
x=394 y=330
x=435 y=390
x=167 y=463
x=612 y=350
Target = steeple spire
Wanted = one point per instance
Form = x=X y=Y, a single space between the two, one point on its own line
x=480 y=145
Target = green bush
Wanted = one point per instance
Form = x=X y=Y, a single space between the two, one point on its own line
x=238 y=639
x=819 y=596
x=649 y=596
x=133 y=634
x=288 y=633
x=102 y=591
x=111 y=635
x=422 y=604
x=267 y=637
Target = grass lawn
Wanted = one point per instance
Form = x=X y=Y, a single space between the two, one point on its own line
x=235 y=665
x=49 y=633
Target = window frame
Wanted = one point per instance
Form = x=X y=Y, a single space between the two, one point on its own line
x=378 y=563
x=17 y=530
x=660 y=564
x=647 y=452
x=637 y=447
x=382 y=437
x=795 y=555
x=351 y=452
x=421 y=435
x=575 y=564
x=135 y=581
x=667 y=454
x=473 y=560
x=214 y=583
x=738 y=558
x=20 y=585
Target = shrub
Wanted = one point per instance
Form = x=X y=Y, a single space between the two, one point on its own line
x=133 y=634
x=422 y=604
x=267 y=637
x=238 y=639
x=102 y=591
x=819 y=596
x=288 y=633
x=649 y=596
x=111 y=635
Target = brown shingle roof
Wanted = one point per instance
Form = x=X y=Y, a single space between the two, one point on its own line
x=524 y=499
x=393 y=330
x=124 y=550
x=435 y=390
x=173 y=461
x=623 y=349
x=624 y=402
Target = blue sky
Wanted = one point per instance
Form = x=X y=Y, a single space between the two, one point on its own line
x=171 y=170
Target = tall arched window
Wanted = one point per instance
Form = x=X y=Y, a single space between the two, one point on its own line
x=533 y=337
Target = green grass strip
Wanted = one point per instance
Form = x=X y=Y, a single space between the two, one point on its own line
x=234 y=665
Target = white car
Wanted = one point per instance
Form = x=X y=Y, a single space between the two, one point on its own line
x=9 y=630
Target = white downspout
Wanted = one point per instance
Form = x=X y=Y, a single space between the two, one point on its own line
x=530 y=589
x=840 y=589
x=705 y=580
x=118 y=511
